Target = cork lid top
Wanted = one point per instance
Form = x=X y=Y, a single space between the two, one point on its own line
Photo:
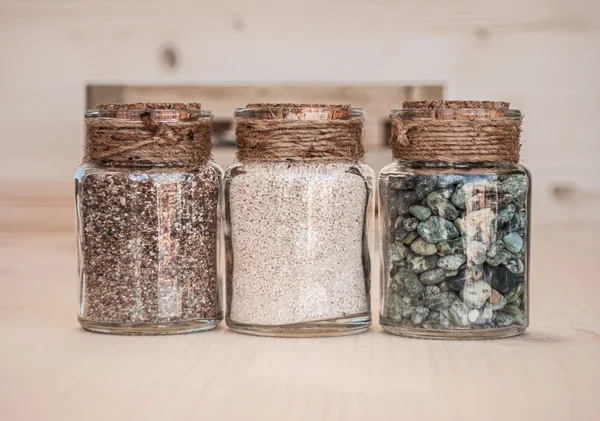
x=455 y=105
x=159 y=111
x=290 y=111
x=457 y=110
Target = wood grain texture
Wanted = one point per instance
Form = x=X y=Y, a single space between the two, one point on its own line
x=53 y=370
x=540 y=55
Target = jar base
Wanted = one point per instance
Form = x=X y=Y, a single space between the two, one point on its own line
x=321 y=328
x=166 y=328
x=468 y=334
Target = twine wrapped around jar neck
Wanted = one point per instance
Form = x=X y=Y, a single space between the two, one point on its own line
x=151 y=134
x=456 y=131
x=299 y=132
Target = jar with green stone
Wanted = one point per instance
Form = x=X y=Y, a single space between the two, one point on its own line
x=454 y=212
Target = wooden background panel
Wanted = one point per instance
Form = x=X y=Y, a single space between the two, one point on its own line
x=541 y=55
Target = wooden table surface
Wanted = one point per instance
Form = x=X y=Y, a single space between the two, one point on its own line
x=52 y=370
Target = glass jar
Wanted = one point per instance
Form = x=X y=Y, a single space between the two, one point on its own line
x=298 y=218
x=454 y=223
x=148 y=209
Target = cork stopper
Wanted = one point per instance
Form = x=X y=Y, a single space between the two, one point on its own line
x=148 y=134
x=157 y=111
x=141 y=106
x=290 y=111
x=299 y=132
x=457 y=105
x=291 y=105
x=456 y=131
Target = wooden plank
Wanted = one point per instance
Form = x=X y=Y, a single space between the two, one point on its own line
x=40 y=207
x=439 y=15
x=542 y=56
x=53 y=370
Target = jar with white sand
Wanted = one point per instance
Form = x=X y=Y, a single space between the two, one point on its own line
x=298 y=212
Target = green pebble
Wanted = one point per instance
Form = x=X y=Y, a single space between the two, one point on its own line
x=404 y=307
x=421 y=212
x=437 y=229
x=423 y=248
x=512 y=310
x=515 y=293
x=392 y=313
x=506 y=214
x=441 y=206
x=515 y=185
x=412 y=283
x=399 y=222
x=520 y=319
x=484 y=316
x=444 y=321
x=452 y=261
x=440 y=301
x=419 y=315
x=419 y=264
x=400 y=234
x=459 y=198
x=519 y=255
x=513 y=242
x=431 y=290
x=502 y=319
x=518 y=222
x=450 y=246
x=495 y=248
x=457 y=313
x=410 y=224
x=425 y=184
x=397 y=252
x=500 y=258
x=475 y=294
x=410 y=237
x=516 y=266
x=460 y=225
x=405 y=200
x=432 y=277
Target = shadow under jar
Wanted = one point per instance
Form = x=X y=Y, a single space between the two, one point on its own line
x=298 y=214
x=148 y=208
x=454 y=222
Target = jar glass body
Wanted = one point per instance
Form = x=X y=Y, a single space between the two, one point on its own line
x=297 y=247
x=454 y=249
x=149 y=248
